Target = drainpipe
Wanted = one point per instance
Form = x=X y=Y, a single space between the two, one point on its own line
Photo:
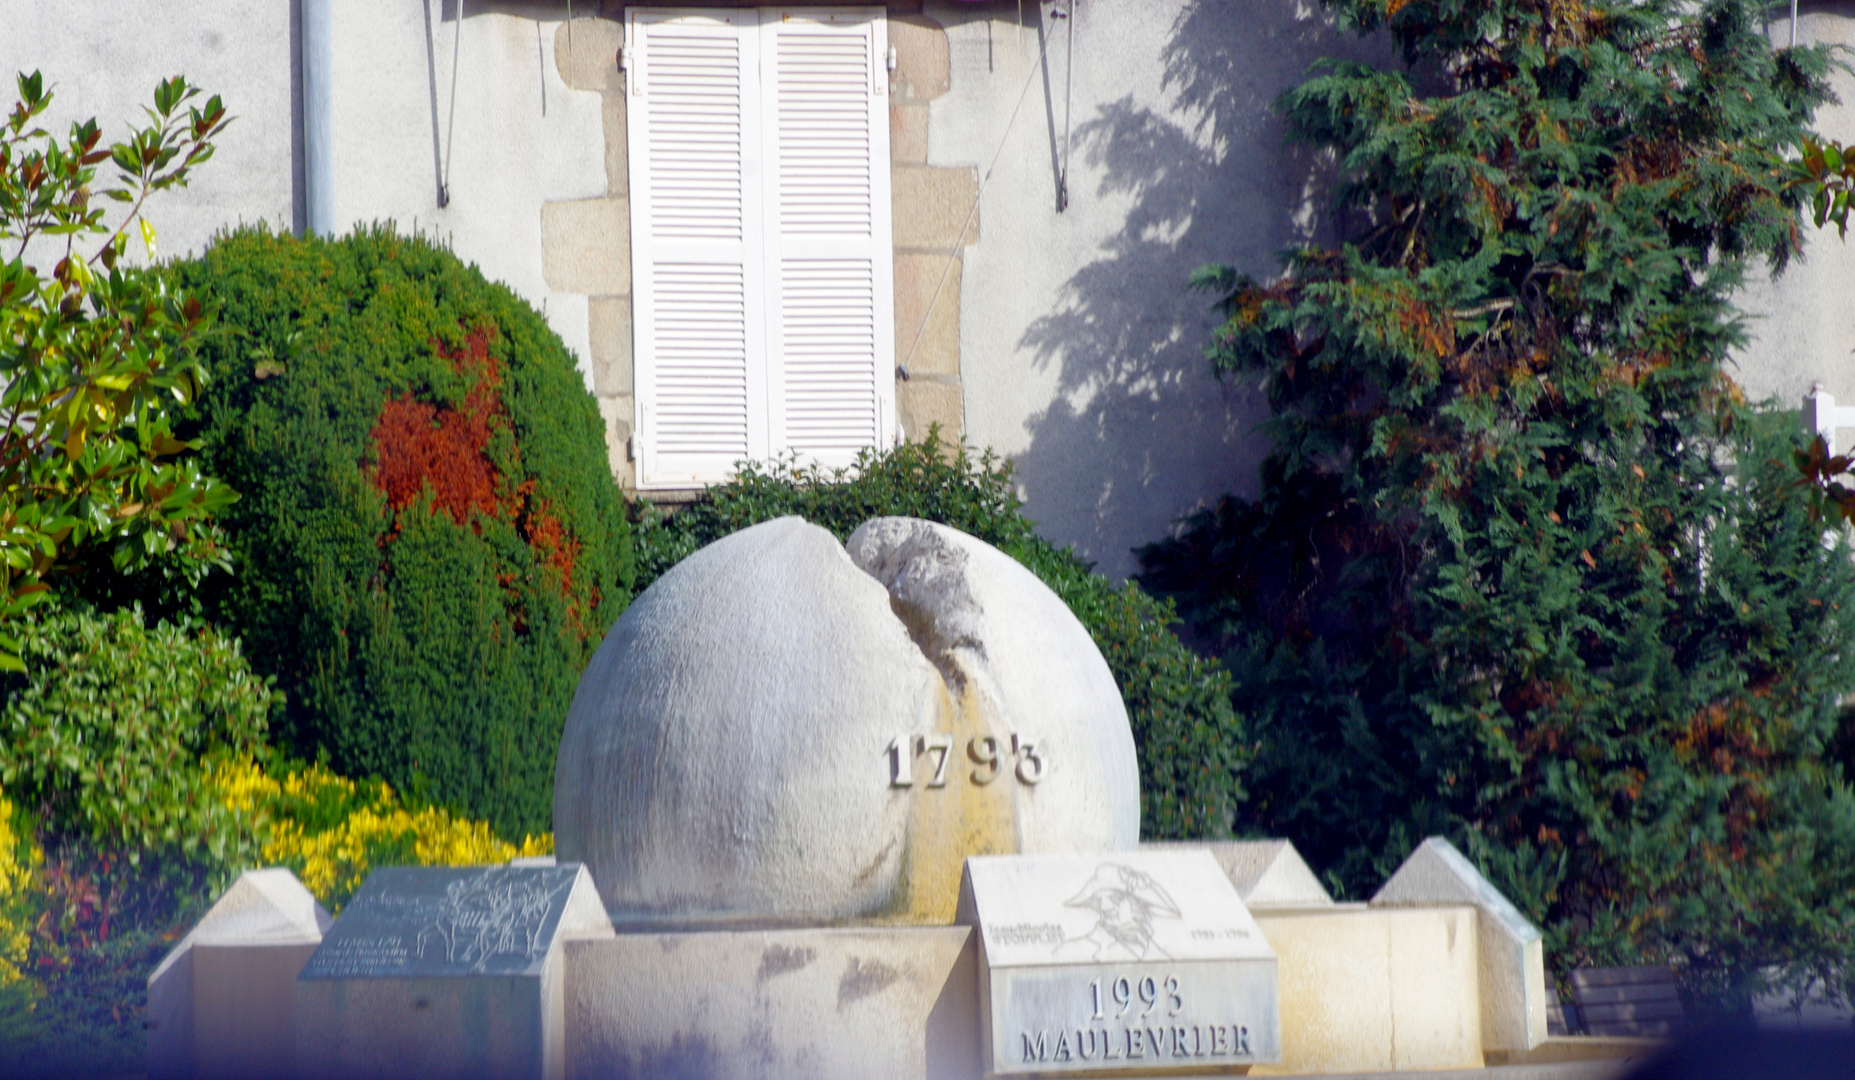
x=318 y=115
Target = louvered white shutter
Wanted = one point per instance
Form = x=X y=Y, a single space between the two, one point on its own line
x=761 y=259
x=830 y=298
x=697 y=244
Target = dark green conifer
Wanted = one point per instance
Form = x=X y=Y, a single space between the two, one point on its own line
x=1525 y=569
x=429 y=542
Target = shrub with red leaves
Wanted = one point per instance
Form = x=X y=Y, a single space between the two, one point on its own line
x=431 y=543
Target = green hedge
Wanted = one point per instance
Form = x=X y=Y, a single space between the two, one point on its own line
x=430 y=543
x=1193 y=748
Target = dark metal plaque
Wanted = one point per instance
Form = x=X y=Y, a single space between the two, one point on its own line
x=422 y=922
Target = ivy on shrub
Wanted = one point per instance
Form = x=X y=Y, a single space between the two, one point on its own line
x=430 y=542
x=1193 y=748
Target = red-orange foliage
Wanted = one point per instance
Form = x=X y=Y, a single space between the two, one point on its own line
x=419 y=445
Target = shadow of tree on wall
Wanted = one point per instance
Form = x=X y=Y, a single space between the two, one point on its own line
x=1137 y=411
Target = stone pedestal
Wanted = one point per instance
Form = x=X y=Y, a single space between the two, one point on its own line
x=869 y=1003
x=1267 y=873
x=446 y=973
x=1512 y=952
x=222 y=1002
x=1376 y=990
x=1136 y=963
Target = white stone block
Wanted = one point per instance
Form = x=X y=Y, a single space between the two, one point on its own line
x=1513 y=958
x=446 y=972
x=1376 y=990
x=1267 y=873
x=222 y=1002
x=865 y=1003
x=1145 y=963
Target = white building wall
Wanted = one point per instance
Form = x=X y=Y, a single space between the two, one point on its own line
x=1803 y=324
x=104 y=57
x=521 y=138
x=1082 y=352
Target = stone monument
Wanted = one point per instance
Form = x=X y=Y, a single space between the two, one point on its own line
x=1512 y=955
x=782 y=731
x=442 y=972
x=222 y=1002
x=1137 y=962
x=871 y=810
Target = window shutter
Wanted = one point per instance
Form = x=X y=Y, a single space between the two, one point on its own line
x=829 y=271
x=697 y=244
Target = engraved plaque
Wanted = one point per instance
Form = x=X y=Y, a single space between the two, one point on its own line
x=1140 y=962
x=420 y=922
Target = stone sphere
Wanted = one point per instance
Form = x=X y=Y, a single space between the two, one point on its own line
x=780 y=730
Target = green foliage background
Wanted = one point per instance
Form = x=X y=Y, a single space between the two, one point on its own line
x=105 y=741
x=437 y=655
x=102 y=735
x=1525 y=569
x=93 y=355
x=1193 y=748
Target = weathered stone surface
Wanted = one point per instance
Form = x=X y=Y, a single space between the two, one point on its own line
x=934 y=208
x=617 y=414
x=222 y=1002
x=922 y=402
x=827 y=1003
x=617 y=148
x=1513 y=959
x=724 y=753
x=586 y=246
x=1128 y=961
x=608 y=321
x=923 y=64
x=447 y=972
x=1375 y=990
x=426 y=922
x=586 y=52
x=927 y=306
x=1025 y=669
x=1267 y=873
x=908 y=134
x=761 y=738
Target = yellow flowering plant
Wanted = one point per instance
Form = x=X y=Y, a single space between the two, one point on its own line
x=19 y=862
x=331 y=830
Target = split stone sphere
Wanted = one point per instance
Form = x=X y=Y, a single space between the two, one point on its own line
x=783 y=730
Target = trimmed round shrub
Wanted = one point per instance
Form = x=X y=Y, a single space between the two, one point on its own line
x=1193 y=747
x=429 y=543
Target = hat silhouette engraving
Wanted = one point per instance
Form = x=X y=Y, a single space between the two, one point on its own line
x=1125 y=902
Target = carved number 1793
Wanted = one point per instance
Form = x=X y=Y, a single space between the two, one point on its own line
x=986 y=752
